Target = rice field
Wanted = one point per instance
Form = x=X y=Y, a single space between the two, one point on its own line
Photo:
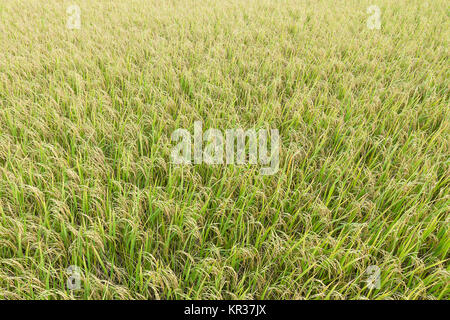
x=92 y=207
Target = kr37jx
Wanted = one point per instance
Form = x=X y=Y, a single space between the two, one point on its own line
x=243 y=309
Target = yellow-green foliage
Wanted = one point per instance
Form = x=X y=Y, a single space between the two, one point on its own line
x=86 y=117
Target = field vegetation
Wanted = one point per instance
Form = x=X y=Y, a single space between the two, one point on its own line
x=86 y=117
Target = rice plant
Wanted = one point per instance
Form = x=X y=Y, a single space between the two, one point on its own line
x=91 y=206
